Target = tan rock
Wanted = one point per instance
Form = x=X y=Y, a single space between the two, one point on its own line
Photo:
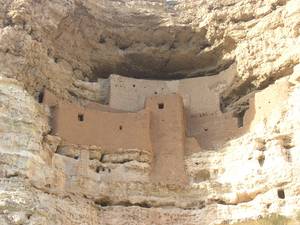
x=242 y=154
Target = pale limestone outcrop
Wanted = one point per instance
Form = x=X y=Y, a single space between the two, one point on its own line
x=230 y=183
x=61 y=45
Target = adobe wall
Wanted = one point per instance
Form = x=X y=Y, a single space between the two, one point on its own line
x=215 y=129
x=200 y=95
x=104 y=90
x=129 y=94
x=101 y=107
x=159 y=130
x=212 y=131
x=112 y=131
x=49 y=98
x=168 y=138
x=200 y=98
x=210 y=127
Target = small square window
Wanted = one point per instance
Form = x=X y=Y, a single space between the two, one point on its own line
x=80 y=117
x=41 y=97
x=161 y=105
x=281 y=194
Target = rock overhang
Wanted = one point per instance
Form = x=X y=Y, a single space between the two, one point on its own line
x=135 y=43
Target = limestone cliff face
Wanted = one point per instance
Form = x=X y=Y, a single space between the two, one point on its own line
x=64 y=45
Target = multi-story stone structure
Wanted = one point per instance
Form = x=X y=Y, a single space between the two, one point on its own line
x=164 y=120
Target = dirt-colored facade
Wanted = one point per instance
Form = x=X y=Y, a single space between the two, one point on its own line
x=201 y=103
x=200 y=95
x=159 y=129
x=112 y=131
x=215 y=129
x=164 y=128
x=206 y=129
x=168 y=138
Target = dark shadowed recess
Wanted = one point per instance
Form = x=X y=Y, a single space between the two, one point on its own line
x=137 y=45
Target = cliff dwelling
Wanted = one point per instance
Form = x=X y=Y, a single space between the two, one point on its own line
x=149 y=112
x=165 y=120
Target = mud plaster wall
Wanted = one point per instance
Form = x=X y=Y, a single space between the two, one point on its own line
x=211 y=130
x=130 y=94
x=215 y=129
x=168 y=138
x=162 y=113
x=104 y=90
x=159 y=128
x=200 y=95
x=111 y=131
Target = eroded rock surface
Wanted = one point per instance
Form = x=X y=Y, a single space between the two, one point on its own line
x=64 y=45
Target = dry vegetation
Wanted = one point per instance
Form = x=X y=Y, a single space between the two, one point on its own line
x=271 y=220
